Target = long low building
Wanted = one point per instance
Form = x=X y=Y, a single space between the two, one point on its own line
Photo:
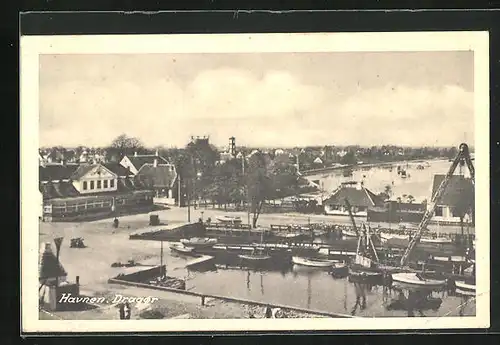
x=76 y=191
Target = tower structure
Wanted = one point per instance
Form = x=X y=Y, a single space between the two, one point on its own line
x=232 y=146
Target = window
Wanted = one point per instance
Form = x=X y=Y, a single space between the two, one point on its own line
x=99 y=184
x=439 y=211
x=112 y=183
x=91 y=184
x=85 y=185
x=105 y=183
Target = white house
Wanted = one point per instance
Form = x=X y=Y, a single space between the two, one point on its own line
x=458 y=194
x=134 y=163
x=93 y=178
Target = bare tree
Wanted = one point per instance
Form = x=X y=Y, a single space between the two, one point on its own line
x=124 y=145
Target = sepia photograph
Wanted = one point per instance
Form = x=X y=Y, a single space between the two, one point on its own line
x=194 y=182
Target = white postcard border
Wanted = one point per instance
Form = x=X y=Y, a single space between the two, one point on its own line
x=33 y=46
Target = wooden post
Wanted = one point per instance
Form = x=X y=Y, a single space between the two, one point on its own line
x=161 y=260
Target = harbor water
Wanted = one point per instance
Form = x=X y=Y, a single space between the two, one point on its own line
x=305 y=287
x=418 y=182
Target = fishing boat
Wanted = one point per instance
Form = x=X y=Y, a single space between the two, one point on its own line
x=313 y=262
x=199 y=242
x=257 y=255
x=416 y=280
x=181 y=249
x=229 y=219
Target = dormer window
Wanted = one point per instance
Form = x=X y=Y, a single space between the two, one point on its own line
x=85 y=185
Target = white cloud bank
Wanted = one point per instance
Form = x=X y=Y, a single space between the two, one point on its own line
x=273 y=109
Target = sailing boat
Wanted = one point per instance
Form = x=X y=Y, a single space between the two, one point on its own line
x=258 y=254
x=365 y=264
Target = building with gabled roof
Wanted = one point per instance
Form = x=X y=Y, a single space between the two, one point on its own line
x=359 y=197
x=73 y=190
x=459 y=194
x=134 y=163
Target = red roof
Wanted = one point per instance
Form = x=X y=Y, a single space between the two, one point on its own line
x=355 y=196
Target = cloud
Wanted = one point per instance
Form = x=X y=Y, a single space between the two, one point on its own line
x=272 y=108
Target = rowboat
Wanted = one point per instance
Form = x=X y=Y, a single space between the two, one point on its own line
x=182 y=249
x=415 y=280
x=313 y=262
x=465 y=286
x=228 y=219
x=465 y=292
x=198 y=242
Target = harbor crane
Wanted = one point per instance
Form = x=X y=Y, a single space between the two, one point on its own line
x=463 y=155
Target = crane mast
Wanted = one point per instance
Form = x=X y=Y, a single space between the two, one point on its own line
x=463 y=154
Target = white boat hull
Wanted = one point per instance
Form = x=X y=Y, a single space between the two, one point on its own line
x=182 y=249
x=199 y=243
x=463 y=286
x=312 y=262
x=254 y=258
x=229 y=220
x=411 y=279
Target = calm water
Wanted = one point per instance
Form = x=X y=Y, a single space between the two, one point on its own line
x=306 y=288
x=418 y=184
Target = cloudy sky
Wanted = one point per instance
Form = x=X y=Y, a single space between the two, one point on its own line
x=271 y=99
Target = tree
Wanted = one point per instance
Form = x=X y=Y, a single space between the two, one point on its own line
x=124 y=145
x=410 y=198
x=259 y=184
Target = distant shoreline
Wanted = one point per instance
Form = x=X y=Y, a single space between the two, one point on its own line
x=369 y=165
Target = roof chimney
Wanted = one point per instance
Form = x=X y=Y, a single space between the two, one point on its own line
x=135 y=154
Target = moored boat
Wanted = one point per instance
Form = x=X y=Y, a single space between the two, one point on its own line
x=198 y=242
x=416 y=280
x=465 y=285
x=229 y=219
x=313 y=262
x=437 y=240
x=181 y=249
x=257 y=255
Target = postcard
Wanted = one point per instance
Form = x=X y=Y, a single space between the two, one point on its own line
x=242 y=182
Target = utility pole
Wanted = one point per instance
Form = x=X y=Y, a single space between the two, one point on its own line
x=161 y=259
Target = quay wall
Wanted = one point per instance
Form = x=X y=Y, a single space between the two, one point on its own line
x=203 y=297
